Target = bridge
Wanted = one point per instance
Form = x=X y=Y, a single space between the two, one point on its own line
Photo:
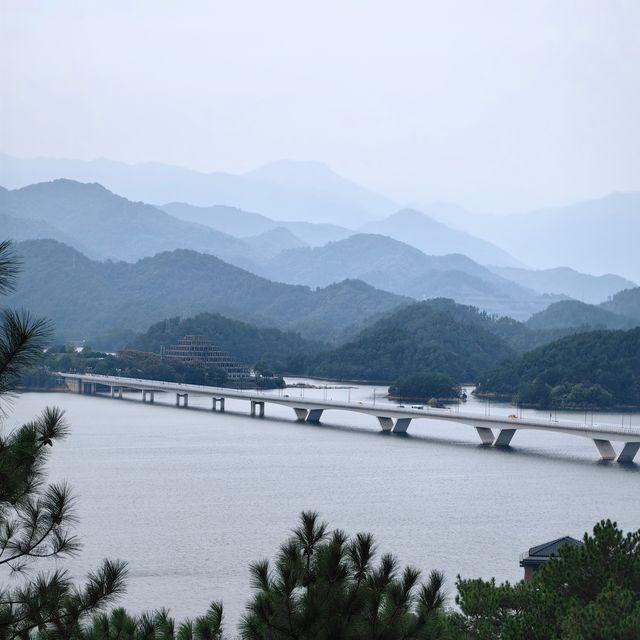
x=495 y=431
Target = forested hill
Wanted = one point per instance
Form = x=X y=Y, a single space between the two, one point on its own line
x=596 y=368
x=626 y=303
x=105 y=225
x=277 y=350
x=572 y=314
x=423 y=337
x=85 y=298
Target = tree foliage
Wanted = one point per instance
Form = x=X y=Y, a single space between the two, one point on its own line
x=327 y=585
x=417 y=338
x=589 y=592
x=36 y=518
x=87 y=298
x=246 y=342
x=593 y=369
x=425 y=386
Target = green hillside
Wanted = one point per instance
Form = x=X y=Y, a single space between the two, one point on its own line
x=572 y=314
x=417 y=338
x=85 y=298
x=248 y=343
x=626 y=303
x=596 y=368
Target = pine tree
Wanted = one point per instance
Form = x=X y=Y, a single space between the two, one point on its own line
x=36 y=518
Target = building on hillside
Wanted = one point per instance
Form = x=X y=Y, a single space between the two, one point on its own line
x=199 y=351
x=535 y=557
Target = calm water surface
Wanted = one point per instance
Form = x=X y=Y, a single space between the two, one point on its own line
x=189 y=498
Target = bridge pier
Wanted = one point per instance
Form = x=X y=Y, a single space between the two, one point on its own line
x=185 y=399
x=214 y=404
x=605 y=449
x=401 y=426
x=151 y=396
x=314 y=415
x=504 y=437
x=629 y=451
x=301 y=414
x=486 y=435
x=259 y=405
x=396 y=426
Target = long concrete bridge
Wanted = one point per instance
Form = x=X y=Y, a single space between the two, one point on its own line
x=495 y=431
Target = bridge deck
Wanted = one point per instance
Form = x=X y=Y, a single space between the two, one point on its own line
x=391 y=417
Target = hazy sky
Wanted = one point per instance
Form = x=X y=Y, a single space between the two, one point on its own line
x=493 y=105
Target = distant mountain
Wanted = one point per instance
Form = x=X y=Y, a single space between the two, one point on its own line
x=397 y=267
x=286 y=190
x=414 y=339
x=572 y=314
x=18 y=229
x=85 y=298
x=595 y=236
x=315 y=178
x=274 y=241
x=242 y=224
x=625 y=303
x=231 y=220
x=109 y=226
x=435 y=238
x=562 y=280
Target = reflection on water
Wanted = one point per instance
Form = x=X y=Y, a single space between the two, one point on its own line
x=190 y=497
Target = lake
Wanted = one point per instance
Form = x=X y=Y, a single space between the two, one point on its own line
x=189 y=497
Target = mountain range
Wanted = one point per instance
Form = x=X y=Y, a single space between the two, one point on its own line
x=86 y=298
x=394 y=266
x=108 y=226
x=594 y=236
x=306 y=191
x=105 y=226
x=436 y=238
x=566 y=281
x=241 y=224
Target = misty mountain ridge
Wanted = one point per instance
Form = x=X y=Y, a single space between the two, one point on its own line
x=110 y=226
x=573 y=314
x=625 y=303
x=104 y=225
x=243 y=224
x=86 y=298
x=563 y=280
x=596 y=236
x=288 y=189
x=400 y=268
x=435 y=238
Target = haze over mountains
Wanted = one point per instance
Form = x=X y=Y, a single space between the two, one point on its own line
x=596 y=236
x=106 y=226
x=307 y=191
x=110 y=227
x=405 y=252
x=436 y=238
x=318 y=206
x=86 y=298
x=398 y=267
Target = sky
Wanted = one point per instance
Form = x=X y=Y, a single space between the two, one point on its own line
x=496 y=106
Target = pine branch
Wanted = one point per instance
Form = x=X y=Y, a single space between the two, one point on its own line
x=9 y=267
x=22 y=341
